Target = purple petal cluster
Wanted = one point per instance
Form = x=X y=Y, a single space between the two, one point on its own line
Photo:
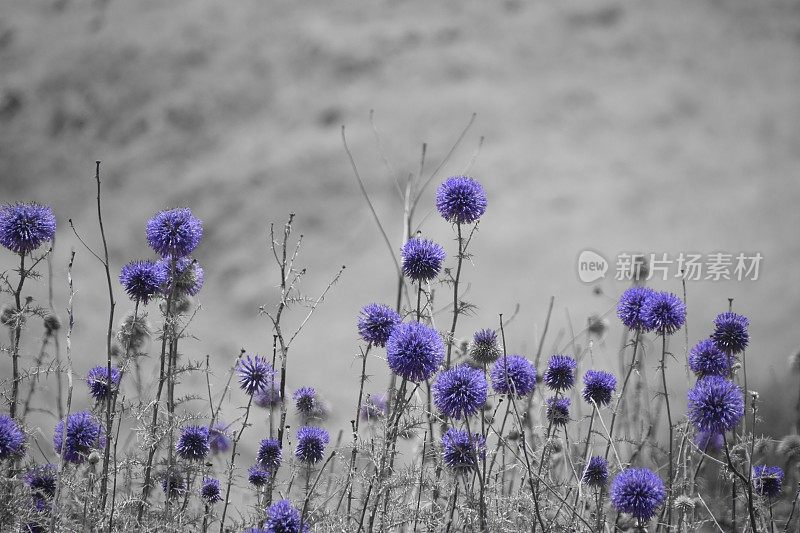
x=558 y=411
x=305 y=399
x=269 y=454
x=24 y=227
x=42 y=482
x=484 y=349
x=560 y=373
x=376 y=322
x=422 y=259
x=173 y=485
x=83 y=434
x=513 y=374
x=638 y=492
x=598 y=387
x=219 y=440
x=715 y=404
x=189 y=276
x=257 y=475
x=175 y=232
x=282 y=517
x=98 y=382
x=460 y=451
x=460 y=392
x=210 y=491
x=193 y=444
x=255 y=374
x=596 y=472
x=12 y=439
x=311 y=442
x=270 y=396
x=461 y=200
x=376 y=406
x=630 y=306
x=414 y=351
x=142 y=280
x=731 y=332
x=767 y=480
x=706 y=359
x=663 y=312
x=709 y=441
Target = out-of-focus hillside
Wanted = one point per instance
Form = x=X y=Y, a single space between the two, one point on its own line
x=617 y=126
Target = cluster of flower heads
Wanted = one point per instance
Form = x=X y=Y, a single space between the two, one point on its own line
x=558 y=411
x=173 y=484
x=414 y=351
x=460 y=392
x=560 y=373
x=638 y=492
x=375 y=406
x=461 y=200
x=484 y=349
x=305 y=400
x=42 y=482
x=376 y=322
x=422 y=259
x=642 y=308
x=269 y=454
x=513 y=375
x=767 y=480
x=219 y=439
x=311 y=442
x=460 y=450
x=210 y=491
x=255 y=374
x=100 y=387
x=81 y=435
x=193 y=444
x=282 y=517
x=25 y=226
x=12 y=438
x=596 y=472
x=599 y=386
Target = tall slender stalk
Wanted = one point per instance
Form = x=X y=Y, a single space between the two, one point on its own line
x=233 y=466
x=669 y=422
x=451 y=338
x=17 y=335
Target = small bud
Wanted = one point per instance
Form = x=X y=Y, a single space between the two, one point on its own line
x=52 y=323
x=94 y=458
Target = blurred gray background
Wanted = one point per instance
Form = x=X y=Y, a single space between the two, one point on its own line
x=617 y=126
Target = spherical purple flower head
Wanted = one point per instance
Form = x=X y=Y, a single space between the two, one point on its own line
x=42 y=482
x=257 y=475
x=83 y=433
x=255 y=374
x=270 y=396
x=558 y=411
x=414 y=351
x=376 y=322
x=715 y=404
x=513 y=374
x=705 y=359
x=767 y=480
x=269 y=454
x=174 y=232
x=142 y=280
x=422 y=259
x=98 y=382
x=560 y=373
x=376 y=406
x=305 y=399
x=458 y=452
x=189 y=276
x=638 y=492
x=599 y=385
x=311 y=442
x=484 y=349
x=461 y=200
x=596 y=472
x=210 y=491
x=709 y=441
x=193 y=444
x=282 y=517
x=663 y=312
x=730 y=332
x=630 y=306
x=24 y=227
x=12 y=439
x=460 y=391
x=219 y=440
x=173 y=485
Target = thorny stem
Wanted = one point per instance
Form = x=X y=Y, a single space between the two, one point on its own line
x=749 y=486
x=669 y=422
x=355 y=423
x=451 y=339
x=17 y=335
x=621 y=398
x=233 y=466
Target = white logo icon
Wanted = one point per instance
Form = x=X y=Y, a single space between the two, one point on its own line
x=591 y=266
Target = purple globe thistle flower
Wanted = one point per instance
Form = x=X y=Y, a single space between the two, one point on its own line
x=83 y=434
x=189 y=276
x=305 y=399
x=219 y=440
x=255 y=374
x=709 y=441
x=42 y=482
x=599 y=385
x=715 y=404
x=638 y=492
x=730 y=332
x=422 y=259
x=376 y=406
x=513 y=374
x=705 y=359
x=98 y=382
x=460 y=391
x=461 y=200
x=257 y=475
x=311 y=442
x=210 y=491
x=174 y=232
x=142 y=280
x=629 y=308
x=414 y=351
x=558 y=411
x=460 y=452
x=24 y=227
x=767 y=480
x=596 y=472
x=376 y=322
x=173 y=485
x=283 y=518
x=560 y=373
x=484 y=349
x=193 y=444
x=663 y=312
x=12 y=439
x=270 y=396
x=269 y=454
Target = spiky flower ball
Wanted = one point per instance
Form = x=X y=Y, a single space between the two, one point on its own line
x=513 y=374
x=767 y=480
x=282 y=517
x=715 y=404
x=709 y=441
x=663 y=312
x=376 y=406
x=219 y=440
x=83 y=434
x=42 y=482
x=269 y=454
x=12 y=439
x=24 y=227
x=210 y=491
x=305 y=399
x=173 y=485
x=255 y=373
x=175 y=232
x=461 y=200
x=460 y=451
x=706 y=359
x=460 y=392
x=558 y=411
x=100 y=386
x=189 y=276
x=414 y=351
x=422 y=259
x=730 y=332
x=269 y=396
x=142 y=280
x=376 y=322
x=629 y=307
x=638 y=492
x=599 y=385
x=311 y=442
x=193 y=444
x=484 y=349
x=257 y=475
x=596 y=472
x=560 y=373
